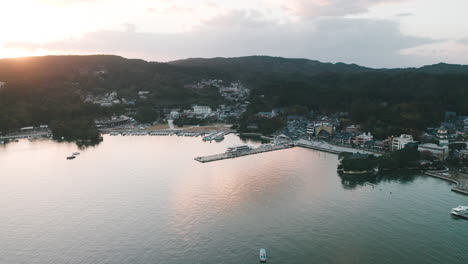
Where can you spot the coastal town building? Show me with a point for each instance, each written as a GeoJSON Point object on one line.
{"type": "Point", "coordinates": [400, 142]}
{"type": "Point", "coordinates": [201, 110]}
{"type": "Point", "coordinates": [363, 138]}
{"type": "Point", "coordinates": [464, 154]}
{"type": "Point", "coordinates": [310, 130]}
{"type": "Point", "coordinates": [443, 135]}
{"type": "Point", "coordinates": [440, 152]}
{"type": "Point", "coordinates": [352, 129]}
{"type": "Point", "coordinates": [324, 127]}
{"type": "Point", "coordinates": [265, 114]}
{"type": "Point", "coordinates": [2, 84]}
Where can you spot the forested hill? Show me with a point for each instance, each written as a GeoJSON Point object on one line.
{"type": "Point", "coordinates": [267, 64]}
{"type": "Point", "coordinates": [40, 90]}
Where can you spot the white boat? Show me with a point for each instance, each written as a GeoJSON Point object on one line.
{"type": "Point", "coordinates": [76, 153]}
{"type": "Point", "coordinates": [263, 256]}
{"type": "Point", "coordinates": [237, 148]}
{"type": "Point", "coordinates": [460, 210]}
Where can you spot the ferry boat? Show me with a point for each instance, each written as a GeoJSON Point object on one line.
{"type": "Point", "coordinates": [263, 256]}
{"type": "Point", "coordinates": [460, 211]}
{"type": "Point", "coordinates": [237, 148]}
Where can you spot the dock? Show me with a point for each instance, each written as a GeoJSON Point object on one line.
{"type": "Point", "coordinates": [460, 181]}
{"type": "Point", "coordinates": [440, 175]}
{"type": "Point", "coordinates": [232, 155]}
{"type": "Point", "coordinates": [462, 186]}
{"type": "Point", "coordinates": [302, 145]}
{"type": "Point", "coordinates": [330, 148]}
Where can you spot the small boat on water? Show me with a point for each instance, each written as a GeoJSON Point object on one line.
{"type": "Point", "coordinates": [263, 256]}
{"type": "Point", "coordinates": [70, 157]}
{"type": "Point", "coordinates": [76, 153]}
{"type": "Point", "coordinates": [238, 148]}
{"type": "Point", "coordinates": [460, 211]}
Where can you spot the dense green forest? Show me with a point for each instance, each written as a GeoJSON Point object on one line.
{"type": "Point", "coordinates": [50, 90]}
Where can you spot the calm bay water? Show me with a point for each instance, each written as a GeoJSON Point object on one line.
{"type": "Point", "coordinates": [145, 200]}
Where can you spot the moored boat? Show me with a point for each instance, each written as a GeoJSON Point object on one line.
{"type": "Point", "coordinates": [263, 256]}
{"type": "Point", "coordinates": [70, 157]}
{"type": "Point", "coordinates": [460, 211]}
{"type": "Point", "coordinates": [237, 148]}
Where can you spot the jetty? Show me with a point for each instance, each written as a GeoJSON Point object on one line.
{"type": "Point", "coordinates": [461, 181]}
{"type": "Point", "coordinates": [231, 155]}
{"type": "Point", "coordinates": [462, 186]}
{"type": "Point", "coordinates": [330, 148]}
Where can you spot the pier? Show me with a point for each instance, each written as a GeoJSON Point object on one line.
{"type": "Point", "coordinates": [460, 181]}
{"type": "Point", "coordinates": [462, 186]}
{"type": "Point", "coordinates": [330, 148]}
{"type": "Point", "coordinates": [232, 155]}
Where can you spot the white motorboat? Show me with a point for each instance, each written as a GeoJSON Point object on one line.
{"type": "Point", "coordinates": [263, 256]}
{"type": "Point", "coordinates": [460, 211]}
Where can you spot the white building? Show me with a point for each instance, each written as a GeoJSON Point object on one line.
{"type": "Point", "coordinates": [400, 142]}
{"type": "Point", "coordinates": [362, 139]}
{"type": "Point", "coordinates": [311, 130]}
{"type": "Point", "coordinates": [435, 150]}
{"type": "Point", "coordinates": [2, 84]}
{"type": "Point", "coordinates": [201, 110]}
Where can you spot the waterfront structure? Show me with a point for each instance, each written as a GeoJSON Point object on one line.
{"type": "Point", "coordinates": [363, 138]}
{"type": "Point", "coordinates": [27, 128]}
{"type": "Point", "coordinates": [400, 142]}
{"type": "Point", "coordinates": [201, 110]}
{"type": "Point", "coordinates": [2, 84]}
{"type": "Point", "coordinates": [114, 121]}
{"type": "Point", "coordinates": [438, 151]}
{"type": "Point", "coordinates": [324, 126]}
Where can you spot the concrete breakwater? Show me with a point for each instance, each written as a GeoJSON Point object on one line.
{"type": "Point", "coordinates": [231, 155]}
{"type": "Point", "coordinates": [462, 186]}
{"type": "Point", "coordinates": [461, 182]}
{"type": "Point", "coordinates": [330, 148]}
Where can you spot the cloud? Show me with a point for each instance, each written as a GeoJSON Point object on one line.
{"type": "Point", "coordinates": [318, 8]}
{"type": "Point", "coordinates": [404, 14]}
{"type": "Point", "coordinates": [449, 50]}
{"type": "Point", "coordinates": [463, 41]}
{"type": "Point", "coordinates": [369, 42]}
{"type": "Point", "coordinates": [68, 2]}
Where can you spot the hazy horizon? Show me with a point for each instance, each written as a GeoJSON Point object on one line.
{"type": "Point", "coordinates": [378, 34]}
{"type": "Point", "coordinates": [221, 57]}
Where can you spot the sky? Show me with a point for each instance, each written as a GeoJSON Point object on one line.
{"type": "Point", "coordinates": [374, 33]}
